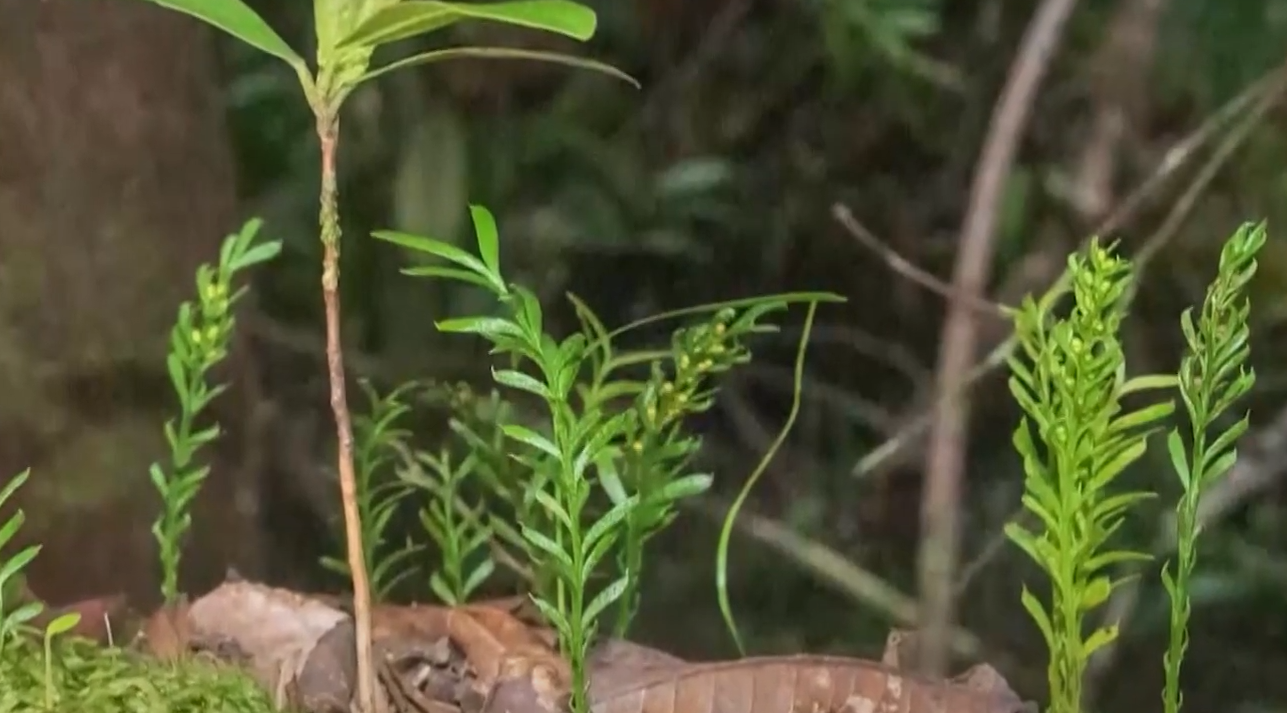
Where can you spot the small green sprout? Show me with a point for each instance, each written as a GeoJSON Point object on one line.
{"type": "Point", "coordinates": [198, 342]}
{"type": "Point", "coordinates": [1213, 375]}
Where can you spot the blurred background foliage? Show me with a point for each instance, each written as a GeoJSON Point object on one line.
{"type": "Point", "coordinates": [717, 181]}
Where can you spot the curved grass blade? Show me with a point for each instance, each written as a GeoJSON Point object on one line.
{"type": "Point", "coordinates": [726, 531]}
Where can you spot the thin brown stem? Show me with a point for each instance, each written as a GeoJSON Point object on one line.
{"type": "Point", "coordinates": [946, 451]}
{"type": "Point", "coordinates": [328, 130]}
{"type": "Point", "coordinates": [907, 268]}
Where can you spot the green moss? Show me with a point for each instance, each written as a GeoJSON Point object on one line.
{"type": "Point", "coordinates": [90, 679]}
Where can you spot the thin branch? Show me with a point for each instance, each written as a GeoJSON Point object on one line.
{"type": "Point", "coordinates": [1178, 156]}
{"type": "Point", "coordinates": [836, 571]}
{"type": "Point", "coordinates": [907, 268]}
{"type": "Point", "coordinates": [945, 462]}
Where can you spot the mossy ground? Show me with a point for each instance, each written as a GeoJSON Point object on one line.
{"type": "Point", "coordinates": [87, 678]}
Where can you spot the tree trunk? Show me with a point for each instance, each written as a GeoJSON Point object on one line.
{"type": "Point", "coordinates": [115, 183]}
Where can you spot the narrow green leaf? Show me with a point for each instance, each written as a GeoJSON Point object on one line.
{"type": "Point", "coordinates": [1116, 504]}
{"type": "Point", "coordinates": [440, 249]}
{"type": "Point", "coordinates": [23, 614]}
{"type": "Point", "coordinates": [1142, 417]}
{"type": "Point", "coordinates": [416, 17]}
{"type": "Point", "coordinates": [610, 594]}
{"type": "Point", "coordinates": [1101, 561]}
{"type": "Point", "coordinates": [685, 487]}
{"type": "Point", "coordinates": [1107, 471]}
{"type": "Point", "coordinates": [551, 614]}
{"type": "Point", "coordinates": [1095, 593]}
{"type": "Point", "coordinates": [1024, 540]}
{"type": "Point", "coordinates": [479, 575]}
{"type": "Point", "coordinates": [11, 527]}
{"type": "Point", "coordinates": [591, 324]}
{"type": "Point", "coordinates": [1048, 515]}
{"type": "Point", "coordinates": [595, 555]}
{"type": "Point", "coordinates": [1100, 638]}
{"type": "Point", "coordinates": [542, 542]}
{"type": "Point", "coordinates": [12, 486]}
{"type": "Point", "coordinates": [518, 380]}
{"type": "Point", "coordinates": [604, 525]}
{"type": "Point", "coordinates": [62, 624]}
{"type": "Point", "coordinates": [1225, 441]}
{"type": "Point", "coordinates": [1149, 382]}
{"type": "Point", "coordinates": [238, 20]}
{"type": "Point", "coordinates": [532, 438]}
{"type": "Point", "coordinates": [1039, 616]}
{"type": "Point", "coordinates": [18, 562]}
{"type": "Point", "coordinates": [488, 237]}
{"type": "Point", "coordinates": [1219, 466]}
{"type": "Point", "coordinates": [500, 53]}
{"type": "Point", "coordinates": [555, 508]}
{"type": "Point", "coordinates": [490, 327]}
{"type": "Point", "coordinates": [1179, 457]}
{"type": "Point", "coordinates": [442, 590]}
{"type": "Point", "coordinates": [450, 273]}
{"type": "Point", "coordinates": [610, 479]}
{"type": "Point", "coordinates": [262, 252]}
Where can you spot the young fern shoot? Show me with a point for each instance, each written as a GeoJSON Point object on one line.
{"type": "Point", "coordinates": [1069, 380]}
{"type": "Point", "coordinates": [1213, 375]}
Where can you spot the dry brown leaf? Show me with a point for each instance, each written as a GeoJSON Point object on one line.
{"type": "Point", "coordinates": [799, 684]}
{"type": "Point", "coordinates": [513, 669]}
{"type": "Point", "coordinates": [617, 662]}
{"type": "Point", "coordinates": [282, 636]}
{"type": "Point", "coordinates": [493, 640]}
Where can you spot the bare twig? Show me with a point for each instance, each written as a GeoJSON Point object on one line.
{"type": "Point", "coordinates": [848, 405]}
{"type": "Point", "coordinates": [907, 268]}
{"type": "Point", "coordinates": [1174, 159]}
{"type": "Point", "coordinates": [895, 356]}
{"type": "Point", "coordinates": [837, 572]}
{"type": "Point", "coordinates": [945, 461]}
{"type": "Point", "coordinates": [1233, 141]}
{"type": "Point", "coordinates": [1119, 76]}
